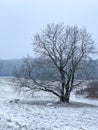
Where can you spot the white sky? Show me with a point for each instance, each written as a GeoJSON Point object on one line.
{"type": "Point", "coordinates": [21, 19]}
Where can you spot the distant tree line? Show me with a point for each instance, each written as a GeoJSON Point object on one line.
{"type": "Point", "coordinates": [9, 67]}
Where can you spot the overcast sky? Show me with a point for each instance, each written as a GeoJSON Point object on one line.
{"type": "Point", "coordinates": [21, 19]}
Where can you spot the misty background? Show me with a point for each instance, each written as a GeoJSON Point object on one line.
{"type": "Point", "coordinates": [21, 19]}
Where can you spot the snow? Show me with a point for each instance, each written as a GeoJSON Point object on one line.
{"type": "Point", "coordinates": [44, 112]}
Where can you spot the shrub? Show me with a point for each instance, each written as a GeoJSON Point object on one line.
{"type": "Point", "coordinates": [91, 90]}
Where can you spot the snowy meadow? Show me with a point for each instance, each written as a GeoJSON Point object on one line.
{"type": "Point", "coordinates": [42, 111]}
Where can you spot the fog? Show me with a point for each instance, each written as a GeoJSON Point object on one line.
{"type": "Point", "coordinates": [21, 19]}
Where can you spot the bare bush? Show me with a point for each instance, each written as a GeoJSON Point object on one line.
{"type": "Point", "coordinates": [91, 90]}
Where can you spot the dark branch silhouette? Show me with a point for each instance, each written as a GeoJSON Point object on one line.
{"type": "Point", "coordinates": [62, 49]}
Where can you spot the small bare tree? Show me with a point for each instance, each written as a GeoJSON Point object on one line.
{"type": "Point", "coordinates": [60, 49]}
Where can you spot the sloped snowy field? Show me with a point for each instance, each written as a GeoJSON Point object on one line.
{"type": "Point", "coordinates": [44, 112]}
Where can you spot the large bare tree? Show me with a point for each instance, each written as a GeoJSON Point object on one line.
{"type": "Point", "coordinates": [61, 49]}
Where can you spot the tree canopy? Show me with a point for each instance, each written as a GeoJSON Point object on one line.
{"type": "Point", "coordinates": [63, 49]}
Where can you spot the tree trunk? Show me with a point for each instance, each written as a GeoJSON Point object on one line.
{"type": "Point", "coordinates": [62, 98]}
{"type": "Point", "coordinates": [65, 98]}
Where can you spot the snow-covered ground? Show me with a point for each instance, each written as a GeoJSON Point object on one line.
{"type": "Point", "coordinates": [43, 112]}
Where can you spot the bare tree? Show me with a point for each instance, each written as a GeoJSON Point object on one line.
{"type": "Point", "coordinates": [63, 49]}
